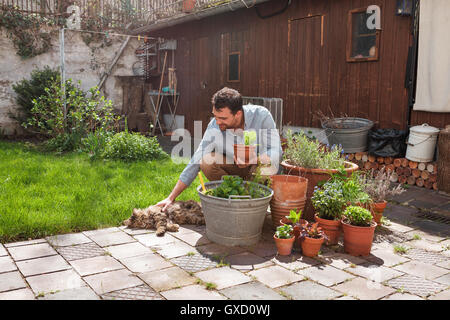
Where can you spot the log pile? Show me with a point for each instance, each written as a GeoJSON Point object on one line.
{"type": "Point", "coordinates": [421, 174]}
{"type": "Point", "coordinates": [444, 159]}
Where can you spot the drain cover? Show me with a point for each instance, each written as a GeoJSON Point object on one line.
{"type": "Point", "coordinates": [433, 216]}
{"type": "Point", "coordinates": [142, 292]}
{"type": "Point", "coordinates": [425, 256]}
{"type": "Point", "coordinates": [416, 285]}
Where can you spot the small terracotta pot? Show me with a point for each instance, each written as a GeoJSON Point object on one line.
{"type": "Point", "coordinates": [296, 228]}
{"type": "Point", "coordinates": [377, 211]}
{"type": "Point", "coordinates": [243, 153]}
{"type": "Point", "coordinates": [311, 246]}
{"type": "Point", "coordinates": [284, 246]}
{"type": "Point", "coordinates": [332, 229]}
{"type": "Point", "coordinates": [358, 240]}
{"type": "Point", "coordinates": [188, 5]}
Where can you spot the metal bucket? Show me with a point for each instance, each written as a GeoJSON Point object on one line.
{"type": "Point", "coordinates": [351, 133]}
{"type": "Point", "coordinates": [233, 222]}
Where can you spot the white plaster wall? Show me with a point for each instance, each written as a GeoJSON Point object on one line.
{"type": "Point", "coordinates": [82, 62]}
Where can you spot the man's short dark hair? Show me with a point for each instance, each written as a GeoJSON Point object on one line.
{"type": "Point", "coordinates": [227, 97]}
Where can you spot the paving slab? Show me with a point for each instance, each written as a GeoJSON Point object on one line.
{"type": "Point", "coordinates": [82, 251]}
{"type": "Point", "coordinates": [153, 241]}
{"type": "Point", "coordinates": [217, 250]}
{"type": "Point", "coordinates": [7, 264]}
{"type": "Point", "coordinates": [24, 243]}
{"type": "Point", "coordinates": [83, 293]}
{"type": "Point", "coordinates": [398, 227]}
{"type": "Point", "coordinates": [192, 238]}
{"type": "Point", "coordinates": [11, 281]}
{"type": "Point", "coordinates": [127, 250]}
{"type": "Point", "coordinates": [97, 232]}
{"type": "Point", "coordinates": [401, 214]}
{"type": "Point", "coordinates": [111, 238]}
{"type": "Point", "coordinates": [112, 281]}
{"type": "Point", "coordinates": [166, 279]}
{"type": "Point", "coordinates": [421, 269]}
{"type": "Point", "coordinates": [426, 256]}
{"type": "Point", "coordinates": [223, 277]}
{"type": "Point", "coordinates": [21, 294]}
{"type": "Point", "coordinates": [308, 290]}
{"type": "Point", "coordinates": [55, 281]}
{"type": "Point", "coordinates": [416, 285]}
{"type": "Point", "coordinates": [364, 289]}
{"type": "Point", "coordinates": [177, 249]}
{"type": "Point", "coordinates": [145, 263]}
{"type": "Point", "coordinates": [42, 265]}
{"type": "Point", "coordinates": [254, 290]}
{"type": "Point", "coordinates": [426, 245]}
{"type": "Point", "coordinates": [374, 272]}
{"type": "Point", "coordinates": [445, 279]}
{"type": "Point", "coordinates": [96, 265]}
{"type": "Point", "coordinates": [295, 261]}
{"type": "Point", "coordinates": [194, 263]}
{"type": "Point", "coordinates": [444, 295]}
{"type": "Point", "coordinates": [142, 292]}
{"type": "Point", "coordinates": [70, 239]}
{"type": "Point", "coordinates": [31, 251]}
{"type": "Point", "coordinates": [402, 296]}
{"type": "Point", "coordinates": [194, 292]}
{"type": "Point", "coordinates": [3, 251]}
{"type": "Point", "coordinates": [275, 276]}
{"type": "Point", "coordinates": [346, 297]}
{"type": "Point", "coordinates": [432, 227]}
{"type": "Point", "coordinates": [264, 248]}
{"type": "Point", "coordinates": [325, 275]}
{"type": "Point", "coordinates": [444, 264]}
{"type": "Point", "coordinates": [342, 260]}
{"type": "Point", "coordinates": [386, 257]}
{"type": "Point", "coordinates": [135, 231]}
{"type": "Point", "coordinates": [247, 261]}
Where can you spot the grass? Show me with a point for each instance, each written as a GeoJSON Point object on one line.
{"type": "Point", "coordinates": [44, 194]}
{"type": "Point", "coordinates": [400, 249]}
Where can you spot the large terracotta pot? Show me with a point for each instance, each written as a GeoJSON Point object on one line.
{"type": "Point", "coordinates": [311, 246]}
{"type": "Point", "coordinates": [243, 153]}
{"type": "Point", "coordinates": [377, 211]}
{"type": "Point", "coordinates": [284, 246]}
{"type": "Point", "coordinates": [278, 210]}
{"type": "Point", "coordinates": [314, 176]}
{"type": "Point", "coordinates": [358, 240]}
{"type": "Point", "coordinates": [332, 229]}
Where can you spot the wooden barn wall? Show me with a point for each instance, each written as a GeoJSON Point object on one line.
{"type": "Point", "coordinates": [299, 56]}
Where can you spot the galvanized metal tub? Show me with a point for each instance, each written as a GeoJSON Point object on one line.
{"type": "Point", "coordinates": [235, 221]}
{"type": "Point", "coordinates": [351, 133]}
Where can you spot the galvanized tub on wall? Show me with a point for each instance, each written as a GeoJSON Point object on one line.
{"type": "Point", "coordinates": [236, 221]}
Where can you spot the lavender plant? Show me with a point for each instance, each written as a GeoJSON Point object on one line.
{"type": "Point", "coordinates": [378, 186]}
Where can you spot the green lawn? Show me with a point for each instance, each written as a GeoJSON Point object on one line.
{"type": "Point", "coordinates": [44, 194]}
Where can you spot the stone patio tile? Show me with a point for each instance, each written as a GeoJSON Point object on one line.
{"type": "Point", "coordinates": [3, 251]}
{"type": "Point", "coordinates": [145, 263]}
{"type": "Point", "coordinates": [166, 279]}
{"type": "Point", "coordinates": [444, 264]}
{"type": "Point", "coordinates": [61, 280]}
{"type": "Point", "coordinates": [386, 257]}
{"type": "Point", "coordinates": [416, 285]}
{"type": "Point", "coordinates": [24, 243]}
{"type": "Point", "coordinates": [374, 272]}
{"type": "Point", "coordinates": [445, 279]}
{"type": "Point", "coordinates": [153, 241]}
{"type": "Point", "coordinates": [135, 231]}
{"type": "Point", "coordinates": [217, 250]}
{"type": "Point", "coordinates": [325, 275]}
{"type": "Point", "coordinates": [264, 248]}
{"type": "Point", "coordinates": [112, 281]}
{"type": "Point", "coordinates": [69, 239]}
{"type": "Point", "coordinates": [426, 245]}
{"type": "Point", "coordinates": [31, 251]}
{"type": "Point", "coordinates": [7, 264]}
{"type": "Point", "coordinates": [192, 292]}
{"type": "Point", "coordinates": [96, 265]}
{"type": "Point", "coordinates": [444, 295]}
{"type": "Point", "coordinates": [421, 269]}
{"type": "Point", "coordinates": [345, 298]}
{"type": "Point", "coordinates": [433, 228]}
{"type": "Point", "coordinates": [295, 261]}
{"type": "Point", "coordinates": [275, 276]}
{"type": "Point", "coordinates": [436, 199]}
{"type": "Point", "coordinates": [246, 261]}
{"type": "Point", "coordinates": [412, 193]}
{"type": "Point", "coordinates": [81, 251]}
{"type": "Point", "coordinates": [342, 260]}
{"type": "Point", "coordinates": [398, 227]}
{"type": "Point", "coordinates": [21, 294]}
{"type": "Point", "coordinates": [400, 214]}
{"type": "Point", "coordinates": [308, 290]}
{"type": "Point", "coordinates": [254, 290]}
{"type": "Point", "coordinates": [402, 296]}
{"type": "Point", "coordinates": [192, 238]}
{"type": "Point", "coordinates": [194, 263]}
{"type": "Point", "coordinates": [11, 281]}
{"type": "Point", "coordinates": [195, 228]}
{"type": "Point", "coordinates": [176, 249]}
{"type": "Point", "coordinates": [127, 250]}
{"type": "Point", "coordinates": [111, 238]}
{"type": "Point", "coordinates": [42, 265]}
{"type": "Point", "coordinates": [223, 277]}
{"type": "Point", "coordinates": [364, 289]}
{"type": "Point", "coordinates": [100, 231]}
{"type": "Point", "coordinates": [142, 292]}
{"type": "Point", "coordinates": [425, 235]}
{"type": "Point", "coordinates": [83, 293]}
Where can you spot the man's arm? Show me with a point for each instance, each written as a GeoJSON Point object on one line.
{"type": "Point", "coordinates": [176, 191]}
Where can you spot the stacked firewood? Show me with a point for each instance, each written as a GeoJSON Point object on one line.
{"type": "Point", "coordinates": [421, 174]}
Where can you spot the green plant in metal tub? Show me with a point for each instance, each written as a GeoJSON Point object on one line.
{"type": "Point", "coordinates": [234, 210]}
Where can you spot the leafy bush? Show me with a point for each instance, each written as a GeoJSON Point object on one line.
{"type": "Point", "coordinates": [328, 200]}
{"type": "Point", "coordinates": [353, 187]}
{"type": "Point", "coordinates": [284, 232]}
{"type": "Point", "coordinates": [236, 186]}
{"type": "Point", "coordinates": [95, 143]}
{"type": "Point", "coordinates": [309, 153]}
{"type": "Point", "coordinates": [133, 146]}
{"type": "Point", "coordinates": [378, 186]}
{"type": "Point", "coordinates": [358, 216]}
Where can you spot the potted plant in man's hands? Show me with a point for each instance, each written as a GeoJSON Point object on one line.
{"type": "Point", "coordinates": [312, 238]}
{"type": "Point", "coordinates": [246, 153]}
{"type": "Point", "coordinates": [284, 239]}
{"type": "Point", "coordinates": [359, 228]}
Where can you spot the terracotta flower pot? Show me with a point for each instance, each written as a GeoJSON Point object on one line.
{"type": "Point", "coordinates": [245, 153]}
{"type": "Point", "coordinates": [332, 229]}
{"type": "Point", "coordinates": [314, 176]}
{"type": "Point", "coordinates": [288, 187]}
{"type": "Point", "coordinates": [278, 210]}
{"type": "Point", "coordinates": [188, 5]}
{"type": "Point", "coordinates": [284, 246]}
{"type": "Point", "coordinates": [311, 246]}
{"type": "Point", "coordinates": [296, 228]}
{"type": "Point", "coordinates": [358, 240]}
{"type": "Point", "coordinates": [377, 211]}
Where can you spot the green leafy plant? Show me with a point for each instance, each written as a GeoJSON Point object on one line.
{"type": "Point", "coordinates": [312, 230]}
{"type": "Point", "coordinates": [294, 217]}
{"type": "Point", "coordinates": [358, 216]}
{"type": "Point", "coordinates": [284, 232]}
{"type": "Point", "coordinates": [328, 200]}
{"type": "Point", "coordinates": [249, 137]}
{"type": "Point", "coordinates": [236, 186]}
{"type": "Point", "coordinates": [353, 187]}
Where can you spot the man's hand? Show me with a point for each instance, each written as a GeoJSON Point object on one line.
{"type": "Point", "coordinates": [253, 159]}
{"type": "Point", "coordinates": [164, 204]}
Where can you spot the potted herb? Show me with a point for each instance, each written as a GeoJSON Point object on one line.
{"type": "Point", "coordinates": [284, 239]}
{"type": "Point", "coordinates": [309, 158]}
{"type": "Point", "coordinates": [378, 187]}
{"type": "Point", "coordinates": [246, 153]}
{"type": "Point", "coordinates": [358, 228]}
{"type": "Point", "coordinates": [294, 219]}
{"type": "Point", "coordinates": [312, 238]}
